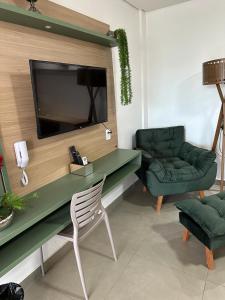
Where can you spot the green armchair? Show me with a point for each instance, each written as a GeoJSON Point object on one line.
{"type": "Point", "coordinates": [172, 166]}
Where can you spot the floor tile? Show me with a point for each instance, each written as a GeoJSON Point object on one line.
{"type": "Point", "coordinates": [174, 253]}
{"type": "Point", "coordinates": [214, 292]}
{"type": "Point", "coordinates": [149, 280]}
{"type": "Point", "coordinates": [153, 261]}
{"type": "Point", "coordinates": [217, 275]}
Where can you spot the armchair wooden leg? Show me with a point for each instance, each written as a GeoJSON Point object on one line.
{"type": "Point", "coordinates": [201, 194]}
{"type": "Point", "coordinates": [144, 189]}
{"type": "Point", "coordinates": [186, 235]}
{"type": "Point", "coordinates": [209, 258]}
{"type": "Point", "coordinates": [159, 204]}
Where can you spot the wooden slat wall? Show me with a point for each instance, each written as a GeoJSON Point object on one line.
{"type": "Point", "coordinates": [49, 158]}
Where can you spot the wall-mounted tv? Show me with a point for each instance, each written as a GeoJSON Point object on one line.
{"type": "Point", "coordinates": [67, 97]}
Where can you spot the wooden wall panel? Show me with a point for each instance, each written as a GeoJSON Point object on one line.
{"type": "Point", "coordinates": [49, 158]}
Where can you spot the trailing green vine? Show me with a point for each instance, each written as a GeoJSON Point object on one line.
{"type": "Point", "coordinates": [125, 84]}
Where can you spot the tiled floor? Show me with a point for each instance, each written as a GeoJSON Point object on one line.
{"type": "Point", "coordinates": [153, 262]}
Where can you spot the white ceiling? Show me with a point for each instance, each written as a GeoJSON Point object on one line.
{"type": "Point", "coordinates": [149, 5]}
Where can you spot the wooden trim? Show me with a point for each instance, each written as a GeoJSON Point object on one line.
{"type": "Point", "coordinates": [221, 121]}
{"type": "Point", "coordinates": [209, 258]}
{"type": "Point", "coordinates": [186, 235]}
{"type": "Point", "coordinates": [223, 148]}
{"type": "Point", "coordinates": [159, 204]}
{"type": "Point", "coordinates": [218, 128]}
{"type": "Point", "coordinates": [201, 194]}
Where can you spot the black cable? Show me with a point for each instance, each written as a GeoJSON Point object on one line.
{"type": "Point", "coordinates": [106, 127]}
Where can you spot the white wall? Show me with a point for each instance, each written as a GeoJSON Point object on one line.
{"type": "Point", "coordinates": [117, 13]}
{"type": "Point", "coordinates": [180, 38]}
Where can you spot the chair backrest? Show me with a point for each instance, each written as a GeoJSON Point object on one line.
{"type": "Point", "coordinates": [86, 208]}
{"type": "Point", "coordinates": [160, 142]}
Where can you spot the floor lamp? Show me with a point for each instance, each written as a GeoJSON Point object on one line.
{"type": "Point", "coordinates": [214, 73]}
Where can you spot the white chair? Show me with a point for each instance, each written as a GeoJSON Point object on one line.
{"type": "Point", "coordinates": [86, 212]}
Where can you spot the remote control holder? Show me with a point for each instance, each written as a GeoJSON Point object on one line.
{"type": "Point", "coordinates": [81, 170]}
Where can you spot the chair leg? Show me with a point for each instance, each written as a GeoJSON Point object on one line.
{"type": "Point", "coordinates": [106, 219]}
{"type": "Point", "coordinates": [186, 235]}
{"type": "Point", "coordinates": [144, 189]}
{"type": "Point", "coordinates": [80, 270]}
{"type": "Point", "coordinates": [159, 203]}
{"type": "Point", "coordinates": [209, 258]}
{"type": "Point", "coordinates": [201, 194]}
{"type": "Point", "coordinates": [42, 262]}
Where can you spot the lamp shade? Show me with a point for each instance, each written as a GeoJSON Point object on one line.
{"type": "Point", "coordinates": [214, 71]}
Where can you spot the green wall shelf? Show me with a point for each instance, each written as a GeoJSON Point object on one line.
{"type": "Point", "coordinates": [49, 214]}
{"type": "Point", "coordinates": [14, 14]}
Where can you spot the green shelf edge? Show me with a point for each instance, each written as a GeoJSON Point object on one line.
{"type": "Point", "coordinates": [31, 239]}
{"type": "Point", "coordinates": [56, 194]}
{"type": "Point", "coordinates": [113, 180]}
{"type": "Point", "coordinates": [16, 15]}
{"type": "Point", "coordinates": [12, 253]}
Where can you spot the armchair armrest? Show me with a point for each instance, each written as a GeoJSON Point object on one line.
{"type": "Point", "coordinates": [145, 155]}
{"type": "Point", "coordinates": [200, 158]}
{"type": "Point", "coordinates": [157, 167]}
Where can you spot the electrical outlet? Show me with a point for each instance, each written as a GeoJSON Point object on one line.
{"type": "Point", "coordinates": [108, 134]}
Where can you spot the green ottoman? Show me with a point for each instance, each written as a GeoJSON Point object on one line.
{"type": "Point", "coordinates": [205, 219]}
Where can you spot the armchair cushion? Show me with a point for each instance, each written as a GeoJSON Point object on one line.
{"type": "Point", "coordinates": [192, 163]}
{"type": "Point", "coordinates": [201, 159]}
{"type": "Point", "coordinates": [208, 213]}
{"type": "Point", "coordinates": [173, 169]}
{"type": "Point", "coordinates": [161, 142]}
{"type": "Point", "coordinates": [172, 166]}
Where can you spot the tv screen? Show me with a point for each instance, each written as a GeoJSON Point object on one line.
{"type": "Point", "coordinates": [67, 97]}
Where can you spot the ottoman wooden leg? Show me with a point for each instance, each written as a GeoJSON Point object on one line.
{"type": "Point", "coordinates": [201, 194]}
{"type": "Point", "coordinates": [144, 189]}
{"type": "Point", "coordinates": [159, 204]}
{"type": "Point", "coordinates": [186, 235]}
{"type": "Point", "coordinates": [209, 258]}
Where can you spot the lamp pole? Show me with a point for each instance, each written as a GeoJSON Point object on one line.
{"type": "Point", "coordinates": [214, 73]}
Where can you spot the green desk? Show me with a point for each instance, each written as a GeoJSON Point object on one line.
{"type": "Point", "coordinates": [49, 214]}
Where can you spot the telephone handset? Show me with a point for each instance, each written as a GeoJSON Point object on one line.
{"type": "Point", "coordinates": [77, 159]}
{"type": "Point", "coordinates": [22, 159]}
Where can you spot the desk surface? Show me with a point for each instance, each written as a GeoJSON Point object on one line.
{"type": "Point", "coordinates": [56, 194]}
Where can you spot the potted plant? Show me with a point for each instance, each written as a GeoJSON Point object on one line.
{"type": "Point", "coordinates": [125, 82]}
{"type": "Point", "coordinates": [9, 204]}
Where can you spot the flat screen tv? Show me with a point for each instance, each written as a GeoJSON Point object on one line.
{"type": "Point", "coordinates": [67, 97]}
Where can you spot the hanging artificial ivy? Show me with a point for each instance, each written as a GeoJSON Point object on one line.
{"type": "Point", "coordinates": [126, 90]}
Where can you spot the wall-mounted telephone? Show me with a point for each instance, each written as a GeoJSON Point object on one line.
{"type": "Point", "coordinates": [22, 159]}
